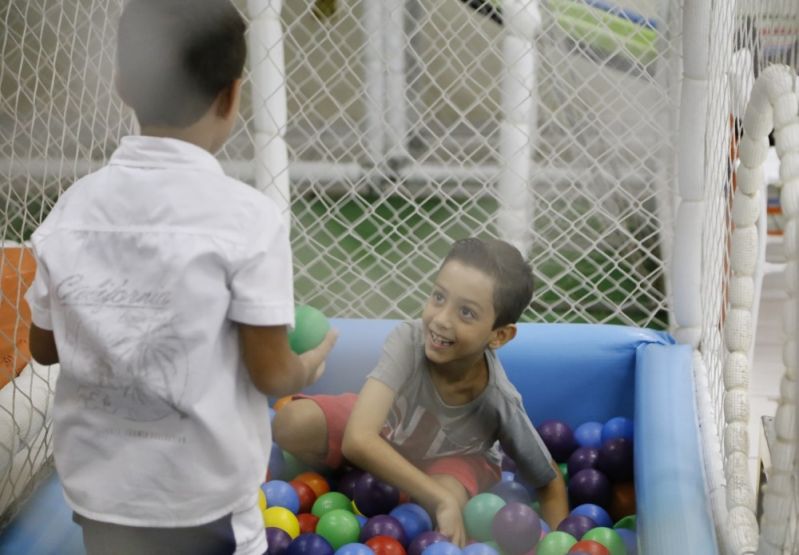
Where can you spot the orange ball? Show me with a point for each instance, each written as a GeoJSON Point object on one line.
{"type": "Point", "coordinates": [589, 546]}
{"type": "Point", "coordinates": [280, 403]}
{"type": "Point", "coordinates": [622, 500]}
{"type": "Point", "coordinates": [307, 522]}
{"type": "Point", "coordinates": [385, 545]}
{"type": "Point", "coordinates": [315, 480]}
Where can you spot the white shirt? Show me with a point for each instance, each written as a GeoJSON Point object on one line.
{"type": "Point", "coordinates": [144, 267]}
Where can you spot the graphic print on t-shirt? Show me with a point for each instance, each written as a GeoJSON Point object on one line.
{"type": "Point", "coordinates": [125, 352]}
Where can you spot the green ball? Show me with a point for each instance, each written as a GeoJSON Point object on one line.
{"type": "Point", "coordinates": [478, 515]}
{"type": "Point", "coordinates": [628, 522]}
{"type": "Point", "coordinates": [555, 543]}
{"type": "Point", "coordinates": [564, 470]}
{"type": "Point", "coordinates": [607, 537]}
{"type": "Point", "coordinates": [339, 527]}
{"type": "Point", "coordinates": [292, 466]}
{"type": "Point", "coordinates": [330, 501]}
{"type": "Point", "coordinates": [310, 328]}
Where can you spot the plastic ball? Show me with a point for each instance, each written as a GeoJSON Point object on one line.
{"type": "Point", "coordinates": [338, 527]}
{"type": "Point", "coordinates": [576, 525]}
{"type": "Point", "coordinates": [618, 427]}
{"type": "Point", "coordinates": [280, 517]}
{"type": "Point", "coordinates": [594, 512]}
{"type": "Point", "coordinates": [582, 458]}
{"type": "Point", "coordinates": [331, 501]}
{"type": "Point", "coordinates": [622, 501]}
{"type": "Point", "coordinates": [383, 545]}
{"type": "Point", "coordinates": [507, 476]}
{"type": "Point", "coordinates": [355, 549]}
{"type": "Point", "coordinates": [277, 461]}
{"type": "Point", "coordinates": [305, 495]}
{"type": "Point", "coordinates": [425, 539]}
{"type": "Point", "coordinates": [615, 459]}
{"type": "Point", "coordinates": [589, 434]}
{"type": "Point", "coordinates": [373, 496]}
{"type": "Point", "coordinates": [413, 519]}
{"type": "Point", "coordinates": [261, 499]}
{"type": "Point", "coordinates": [383, 525]}
{"type": "Point", "coordinates": [479, 513]}
{"type": "Point", "coordinates": [511, 491]}
{"type": "Point", "coordinates": [630, 539]}
{"type": "Point", "coordinates": [628, 522]}
{"type": "Point", "coordinates": [589, 486]}
{"type": "Point", "coordinates": [555, 543]}
{"type": "Point", "coordinates": [281, 494]}
{"type": "Point", "coordinates": [589, 547]}
{"type": "Point", "coordinates": [316, 482]}
{"type": "Point", "coordinates": [346, 482]}
{"type": "Point", "coordinates": [442, 548]}
{"type": "Point", "coordinates": [292, 467]}
{"type": "Point", "coordinates": [516, 528]}
{"type": "Point", "coordinates": [608, 537]}
{"type": "Point", "coordinates": [564, 471]}
{"type": "Point", "coordinates": [479, 549]}
{"type": "Point", "coordinates": [310, 544]}
{"type": "Point", "coordinates": [310, 328]}
{"type": "Point", "coordinates": [278, 541]}
{"type": "Point", "coordinates": [559, 439]}
{"type": "Point", "coordinates": [307, 522]}
{"type": "Point", "coordinates": [282, 402]}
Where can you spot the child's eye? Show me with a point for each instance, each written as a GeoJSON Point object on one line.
{"type": "Point", "coordinates": [437, 296]}
{"type": "Point", "coordinates": [468, 313]}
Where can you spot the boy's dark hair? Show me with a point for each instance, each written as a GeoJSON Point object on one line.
{"type": "Point", "coordinates": [513, 278]}
{"type": "Point", "coordinates": [175, 56]}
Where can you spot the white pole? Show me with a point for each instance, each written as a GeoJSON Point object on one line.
{"type": "Point", "coordinates": [394, 55]}
{"type": "Point", "coordinates": [268, 78]}
{"type": "Point", "coordinates": [374, 78]}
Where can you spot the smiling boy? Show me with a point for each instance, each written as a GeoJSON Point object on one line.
{"type": "Point", "coordinates": [434, 411]}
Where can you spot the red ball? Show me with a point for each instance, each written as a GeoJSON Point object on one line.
{"type": "Point", "coordinates": [622, 501]}
{"type": "Point", "coordinates": [306, 495]}
{"type": "Point", "coordinates": [590, 547]}
{"type": "Point", "coordinates": [384, 545]}
{"type": "Point", "coordinates": [307, 522]}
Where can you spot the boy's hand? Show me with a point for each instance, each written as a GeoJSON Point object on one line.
{"type": "Point", "coordinates": [314, 359]}
{"type": "Point", "coordinates": [449, 521]}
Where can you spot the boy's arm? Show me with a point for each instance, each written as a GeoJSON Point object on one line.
{"type": "Point", "coordinates": [274, 368]}
{"type": "Point", "coordinates": [42, 345]}
{"type": "Point", "coordinates": [554, 500]}
{"type": "Point", "coordinates": [364, 446]}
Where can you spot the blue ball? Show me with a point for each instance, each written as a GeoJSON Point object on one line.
{"type": "Point", "coordinates": [277, 462]}
{"type": "Point", "coordinates": [511, 491]}
{"type": "Point", "coordinates": [413, 518]}
{"type": "Point", "coordinates": [355, 549]}
{"type": "Point", "coordinates": [617, 427]}
{"type": "Point", "coordinates": [595, 513]}
{"type": "Point", "coordinates": [310, 544]}
{"type": "Point", "coordinates": [281, 494]}
{"type": "Point", "coordinates": [508, 476]}
{"type": "Point", "coordinates": [361, 520]}
{"type": "Point", "coordinates": [442, 548]}
{"type": "Point", "coordinates": [630, 540]}
{"type": "Point", "coordinates": [479, 549]}
{"type": "Point", "coordinates": [589, 434]}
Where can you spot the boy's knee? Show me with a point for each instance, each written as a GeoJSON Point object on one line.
{"type": "Point", "coordinates": [297, 423]}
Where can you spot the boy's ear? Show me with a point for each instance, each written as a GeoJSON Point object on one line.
{"type": "Point", "coordinates": [228, 99]}
{"type": "Point", "coordinates": [502, 335]}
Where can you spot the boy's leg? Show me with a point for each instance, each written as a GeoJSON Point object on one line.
{"type": "Point", "coordinates": [312, 428]}
{"type": "Point", "coordinates": [463, 476]}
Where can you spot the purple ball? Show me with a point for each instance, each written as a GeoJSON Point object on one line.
{"type": "Point", "coordinates": [559, 439]}
{"type": "Point", "coordinates": [383, 525]}
{"type": "Point", "coordinates": [310, 544]}
{"type": "Point", "coordinates": [582, 458]}
{"type": "Point", "coordinates": [576, 525]}
{"type": "Point", "coordinates": [278, 541]}
{"type": "Point", "coordinates": [374, 497]}
{"type": "Point", "coordinates": [589, 434]}
{"type": "Point", "coordinates": [511, 491]}
{"type": "Point", "coordinates": [589, 486]}
{"type": "Point", "coordinates": [516, 528]}
{"type": "Point", "coordinates": [346, 482]}
{"type": "Point", "coordinates": [615, 459]}
{"type": "Point", "coordinates": [424, 540]}
{"type": "Point", "coordinates": [413, 518]}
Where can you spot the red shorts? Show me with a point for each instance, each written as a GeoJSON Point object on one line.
{"type": "Point", "coordinates": [475, 472]}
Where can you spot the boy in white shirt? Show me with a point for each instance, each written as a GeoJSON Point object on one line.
{"type": "Point", "coordinates": [164, 289]}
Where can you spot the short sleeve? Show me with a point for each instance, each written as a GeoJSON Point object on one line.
{"type": "Point", "coordinates": [38, 295]}
{"type": "Point", "coordinates": [262, 292]}
{"type": "Point", "coordinates": [398, 358]}
{"type": "Point", "coordinates": [521, 442]}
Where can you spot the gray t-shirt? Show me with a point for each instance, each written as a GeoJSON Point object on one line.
{"type": "Point", "coordinates": [421, 426]}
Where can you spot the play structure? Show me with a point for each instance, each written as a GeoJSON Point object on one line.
{"type": "Point", "coordinates": [617, 144]}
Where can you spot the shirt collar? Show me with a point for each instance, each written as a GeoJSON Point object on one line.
{"type": "Point", "coordinates": [161, 152]}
